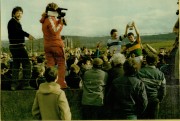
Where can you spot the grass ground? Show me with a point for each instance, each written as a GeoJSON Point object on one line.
{"type": "Point", "coordinates": [161, 44]}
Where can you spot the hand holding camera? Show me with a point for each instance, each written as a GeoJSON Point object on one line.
{"type": "Point", "coordinates": [44, 14]}
{"type": "Point", "coordinates": [57, 12]}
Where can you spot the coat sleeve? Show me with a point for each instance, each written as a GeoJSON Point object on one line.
{"type": "Point", "coordinates": [162, 90]}
{"type": "Point", "coordinates": [63, 104]}
{"type": "Point", "coordinates": [35, 109]}
{"type": "Point", "coordinates": [141, 98]}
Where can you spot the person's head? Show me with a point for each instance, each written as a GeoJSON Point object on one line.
{"type": "Point", "coordinates": [87, 60]}
{"type": "Point", "coordinates": [130, 67]}
{"type": "Point", "coordinates": [152, 59]}
{"type": "Point", "coordinates": [97, 63]}
{"type": "Point", "coordinates": [38, 70]}
{"type": "Point", "coordinates": [75, 68]}
{"type": "Point", "coordinates": [117, 59]}
{"type": "Point", "coordinates": [17, 13]}
{"type": "Point", "coordinates": [130, 36]}
{"type": "Point", "coordinates": [51, 7]}
{"type": "Point", "coordinates": [162, 51]}
{"type": "Point", "coordinates": [40, 59]}
{"type": "Point", "coordinates": [104, 58]}
{"type": "Point", "coordinates": [114, 33]}
{"type": "Point", "coordinates": [51, 74]}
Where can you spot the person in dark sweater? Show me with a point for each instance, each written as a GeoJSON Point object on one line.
{"type": "Point", "coordinates": [17, 48]}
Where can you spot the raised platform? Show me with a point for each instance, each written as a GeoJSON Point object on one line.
{"type": "Point", "coordinates": [16, 105]}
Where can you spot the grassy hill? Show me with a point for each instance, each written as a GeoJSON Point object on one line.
{"type": "Point", "coordinates": [156, 41]}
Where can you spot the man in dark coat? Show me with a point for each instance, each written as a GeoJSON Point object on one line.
{"type": "Point", "coordinates": [155, 84]}
{"type": "Point", "coordinates": [126, 98]}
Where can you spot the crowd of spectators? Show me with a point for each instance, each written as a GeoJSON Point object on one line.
{"type": "Point", "coordinates": [123, 82]}
{"type": "Point", "coordinates": [79, 61]}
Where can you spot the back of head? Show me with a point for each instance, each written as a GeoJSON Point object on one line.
{"type": "Point", "coordinates": [152, 59]}
{"type": "Point", "coordinates": [51, 74]}
{"type": "Point", "coordinates": [130, 67]}
{"type": "Point", "coordinates": [17, 8]}
{"type": "Point", "coordinates": [40, 59]}
{"type": "Point", "coordinates": [75, 68]}
{"type": "Point", "coordinates": [97, 63]}
{"type": "Point", "coordinates": [118, 59]}
{"type": "Point", "coordinates": [51, 7]}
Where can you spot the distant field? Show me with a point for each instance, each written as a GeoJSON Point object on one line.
{"type": "Point", "coordinates": [161, 44]}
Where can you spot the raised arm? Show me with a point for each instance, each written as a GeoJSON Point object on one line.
{"type": "Point", "coordinates": [137, 33]}
{"type": "Point", "coordinates": [126, 30]}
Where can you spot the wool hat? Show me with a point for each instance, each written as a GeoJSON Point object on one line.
{"type": "Point", "coordinates": [97, 61]}
{"type": "Point", "coordinates": [75, 68]}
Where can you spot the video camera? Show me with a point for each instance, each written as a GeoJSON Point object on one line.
{"type": "Point", "coordinates": [60, 13]}
{"type": "Point", "coordinates": [57, 13]}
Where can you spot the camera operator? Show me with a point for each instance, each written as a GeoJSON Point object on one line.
{"type": "Point", "coordinates": [52, 25]}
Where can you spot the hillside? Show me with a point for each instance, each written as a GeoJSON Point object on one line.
{"type": "Point", "coordinates": [90, 42]}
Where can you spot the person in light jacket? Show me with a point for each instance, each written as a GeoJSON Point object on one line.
{"type": "Point", "coordinates": [50, 102]}
{"type": "Point", "coordinates": [94, 83]}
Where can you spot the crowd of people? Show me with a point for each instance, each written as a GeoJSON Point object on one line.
{"type": "Point", "coordinates": [127, 80]}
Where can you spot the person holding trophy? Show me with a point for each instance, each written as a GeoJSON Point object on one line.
{"type": "Point", "coordinates": [134, 48]}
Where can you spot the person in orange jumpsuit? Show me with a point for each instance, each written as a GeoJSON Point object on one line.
{"type": "Point", "coordinates": [53, 44]}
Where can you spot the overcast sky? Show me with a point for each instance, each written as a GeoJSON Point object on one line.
{"type": "Point", "coordinates": [96, 17]}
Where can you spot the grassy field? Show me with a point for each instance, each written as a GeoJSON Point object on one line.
{"type": "Point", "coordinates": [161, 44]}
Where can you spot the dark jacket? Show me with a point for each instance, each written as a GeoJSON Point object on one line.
{"type": "Point", "coordinates": [15, 32]}
{"type": "Point", "coordinates": [73, 80]}
{"type": "Point", "coordinates": [127, 96]}
{"type": "Point", "coordinates": [154, 81]}
{"type": "Point", "coordinates": [114, 72]}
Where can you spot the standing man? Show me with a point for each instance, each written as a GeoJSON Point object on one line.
{"type": "Point", "coordinates": [17, 48]}
{"type": "Point", "coordinates": [94, 82]}
{"type": "Point", "coordinates": [155, 84]}
{"type": "Point", "coordinates": [53, 44]}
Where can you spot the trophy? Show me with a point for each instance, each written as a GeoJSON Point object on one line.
{"type": "Point", "coordinates": [130, 25]}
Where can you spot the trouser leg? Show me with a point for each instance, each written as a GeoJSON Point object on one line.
{"type": "Point", "coordinates": [55, 56]}
{"type": "Point", "coordinates": [20, 56]}
{"type": "Point", "coordinates": [15, 67]}
{"type": "Point", "coordinates": [26, 69]}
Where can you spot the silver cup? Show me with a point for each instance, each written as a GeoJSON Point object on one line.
{"type": "Point", "coordinates": [130, 25]}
